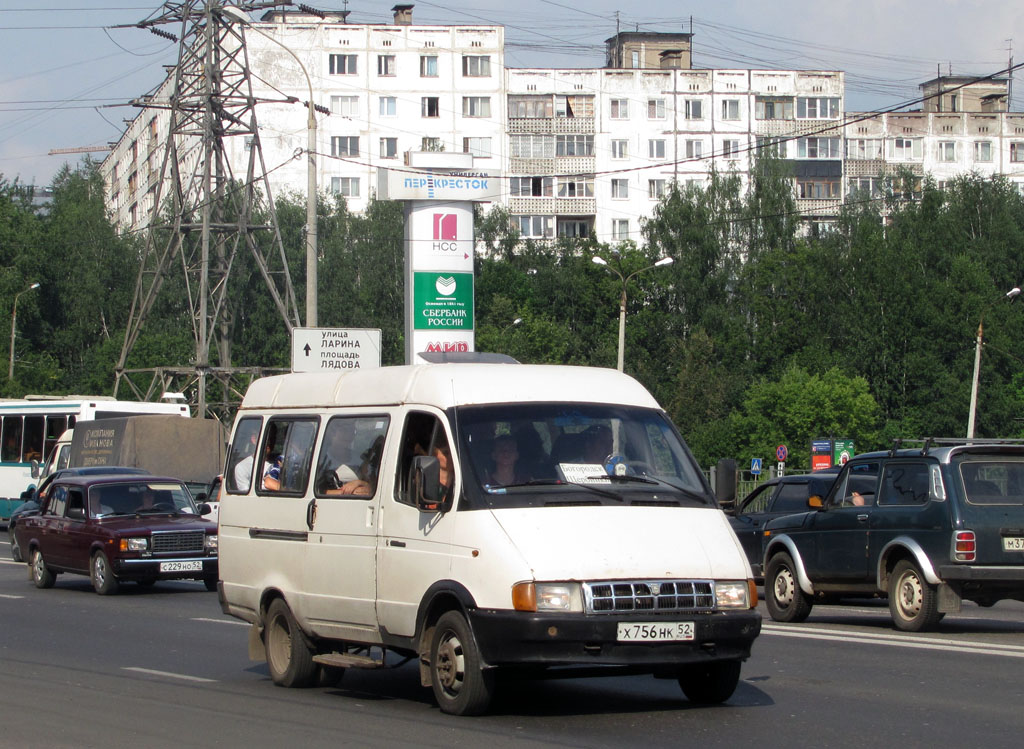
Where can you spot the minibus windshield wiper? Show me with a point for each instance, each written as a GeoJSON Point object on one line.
{"type": "Point", "coordinates": [661, 482]}
{"type": "Point", "coordinates": [558, 482]}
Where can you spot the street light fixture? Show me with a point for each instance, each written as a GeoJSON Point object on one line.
{"type": "Point", "coordinates": [14, 316]}
{"type": "Point", "coordinates": [239, 15]}
{"type": "Point", "coordinates": [1011, 295]}
{"type": "Point", "coordinates": [622, 300]}
{"type": "Point", "coordinates": [512, 324]}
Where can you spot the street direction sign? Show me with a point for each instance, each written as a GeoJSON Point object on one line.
{"type": "Point", "coordinates": [335, 349]}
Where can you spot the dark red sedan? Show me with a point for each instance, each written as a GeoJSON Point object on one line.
{"type": "Point", "coordinates": [117, 528]}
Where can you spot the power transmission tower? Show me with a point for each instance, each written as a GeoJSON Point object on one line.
{"type": "Point", "coordinates": [202, 214]}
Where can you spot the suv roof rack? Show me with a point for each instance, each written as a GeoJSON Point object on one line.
{"type": "Point", "coordinates": [928, 442]}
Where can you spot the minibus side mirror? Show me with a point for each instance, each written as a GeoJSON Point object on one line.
{"type": "Point", "coordinates": [425, 483]}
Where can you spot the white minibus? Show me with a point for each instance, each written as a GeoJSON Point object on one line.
{"type": "Point", "coordinates": [479, 518]}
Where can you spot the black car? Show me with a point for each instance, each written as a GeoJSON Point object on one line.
{"type": "Point", "coordinates": [927, 527]}
{"type": "Point", "coordinates": [774, 498]}
{"type": "Point", "coordinates": [33, 497]}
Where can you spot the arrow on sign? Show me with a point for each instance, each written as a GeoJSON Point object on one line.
{"type": "Point", "coordinates": [307, 349]}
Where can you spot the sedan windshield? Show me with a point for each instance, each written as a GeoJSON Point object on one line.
{"type": "Point", "coordinates": [548, 454]}
{"type": "Point", "coordinates": [140, 498]}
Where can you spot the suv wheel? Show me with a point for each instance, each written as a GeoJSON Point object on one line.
{"type": "Point", "coordinates": [782, 594]}
{"type": "Point", "coordinates": [913, 602]}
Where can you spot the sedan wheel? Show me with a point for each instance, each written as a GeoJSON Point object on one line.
{"type": "Point", "coordinates": [41, 574]}
{"type": "Point", "coordinates": [103, 580]}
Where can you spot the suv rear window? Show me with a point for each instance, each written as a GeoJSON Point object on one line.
{"type": "Point", "coordinates": [993, 482]}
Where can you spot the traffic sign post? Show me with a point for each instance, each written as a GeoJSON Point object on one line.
{"type": "Point", "coordinates": [335, 349]}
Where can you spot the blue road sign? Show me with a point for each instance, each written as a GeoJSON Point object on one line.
{"type": "Point", "coordinates": [755, 466]}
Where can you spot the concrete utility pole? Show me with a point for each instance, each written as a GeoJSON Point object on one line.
{"type": "Point", "coordinates": [202, 213]}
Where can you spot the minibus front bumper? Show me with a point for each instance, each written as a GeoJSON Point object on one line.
{"type": "Point", "coordinates": [557, 639]}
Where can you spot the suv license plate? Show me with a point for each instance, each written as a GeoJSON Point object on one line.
{"type": "Point", "coordinates": [1013, 543]}
{"type": "Point", "coordinates": [181, 566]}
{"type": "Point", "coordinates": [655, 631]}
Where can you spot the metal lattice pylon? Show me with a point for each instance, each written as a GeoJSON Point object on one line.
{"type": "Point", "coordinates": [202, 215]}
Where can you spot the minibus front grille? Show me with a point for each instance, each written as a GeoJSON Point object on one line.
{"type": "Point", "coordinates": [178, 541]}
{"type": "Point", "coordinates": [653, 596]}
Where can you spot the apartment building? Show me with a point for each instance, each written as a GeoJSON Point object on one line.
{"type": "Point", "coordinates": [584, 152]}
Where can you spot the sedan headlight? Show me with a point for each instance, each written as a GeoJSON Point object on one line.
{"type": "Point", "coordinates": [211, 542]}
{"type": "Point", "coordinates": [733, 594]}
{"type": "Point", "coordinates": [135, 544]}
{"type": "Point", "coordinates": [566, 597]}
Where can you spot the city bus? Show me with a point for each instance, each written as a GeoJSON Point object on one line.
{"type": "Point", "coordinates": [31, 426]}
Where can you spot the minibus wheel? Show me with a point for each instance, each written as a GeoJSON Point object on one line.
{"type": "Point", "coordinates": [288, 657]}
{"type": "Point", "coordinates": [461, 686]}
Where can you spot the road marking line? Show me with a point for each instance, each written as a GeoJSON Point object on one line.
{"type": "Point", "coordinates": [4, 595]}
{"type": "Point", "coordinates": [221, 621]}
{"type": "Point", "coordinates": [952, 646]}
{"type": "Point", "coordinates": [11, 561]}
{"type": "Point", "coordinates": [168, 674]}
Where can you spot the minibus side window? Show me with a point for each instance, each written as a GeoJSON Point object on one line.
{"type": "Point", "coordinates": [238, 475]}
{"type": "Point", "coordinates": [350, 455]}
{"type": "Point", "coordinates": [287, 455]}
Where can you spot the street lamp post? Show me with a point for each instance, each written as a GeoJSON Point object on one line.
{"type": "Point", "coordinates": [622, 300]}
{"type": "Point", "coordinates": [14, 316]}
{"type": "Point", "coordinates": [1011, 295]}
{"type": "Point", "coordinates": [311, 223]}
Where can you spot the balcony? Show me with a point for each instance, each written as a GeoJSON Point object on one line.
{"type": "Point", "coordinates": [558, 125]}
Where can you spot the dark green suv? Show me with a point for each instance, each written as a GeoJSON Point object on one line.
{"type": "Point", "coordinates": [928, 527]}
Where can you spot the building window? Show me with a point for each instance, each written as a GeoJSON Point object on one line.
{"type": "Point", "coordinates": [536, 227]}
{"type": "Point", "coordinates": [905, 149]}
{"type": "Point", "coordinates": [983, 150]}
{"type": "Point", "coordinates": [694, 109]}
{"type": "Point", "coordinates": [947, 150]}
{"type": "Point", "coordinates": [529, 106]}
{"type": "Point", "coordinates": [634, 58]}
{"type": "Point", "coordinates": [1017, 152]}
{"type": "Point", "coordinates": [865, 187]}
{"type": "Point", "coordinates": [655, 189]}
{"type": "Point", "coordinates": [620, 229]}
{"type": "Point", "coordinates": [479, 147]}
{"type": "Point", "coordinates": [476, 106]}
{"type": "Point", "coordinates": [428, 66]}
{"type": "Point", "coordinates": [531, 187]}
{"type": "Point", "coordinates": [655, 109]}
{"type": "Point", "coordinates": [476, 66]}
{"type": "Point", "coordinates": [431, 144]}
{"type": "Point", "coordinates": [576, 187]}
{"type": "Point", "coordinates": [620, 149]}
{"type": "Point", "coordinates": [730, 109]}
{"type": "Point", "coordinates": [343, 64]}
{"type": "Point", "coordinates": [694, 149]}
{"type": "Point", "coordinates": [345, 145]}
{"type": "Point", "coordinates": [534, 146]}
{"type": "Point", "coordinates": [620, 109]}
{"type": "Point", "coordinates": [730, 149]}
{"type": "Point", "coordinates": [389, 148]}
{"type": "Point", "coordinates": [574, 227]}
{"type": "Point", "coordinates": [574, 145]}
{"type": "Point", "coordinates": [771, 146]}
{"type": "Point", "coordinates": [817, 108]}
{"type": "Point", "coordinates": [347, 186]}
{"type": "Point", "coordinates": [620, 189]}
{"type": "Point", "coordinates": [818, 148]}
{"type": "Point", "coordinates": [430, 106]}
{"type": "Point", "coordinates": [656, 149]}
{"type": "Point", "coordinates": [766, 108]}
{"type": "Point", "coordinates": [863, 148]}
{"type": "Point", "coordinates": [386, 65]}
{"type": "Point", "coordinates": [574, 106]}
{"type": "Point", "coordinates": [818, 189]}
{"type": "Point", "coordinates": [388, 106]}
{"type": "Point", "coordinates": [346, 106]}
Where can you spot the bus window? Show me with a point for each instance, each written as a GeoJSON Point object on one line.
{"type": "Point", "coordinates": [55, 426]}
{"type": "Point", "coordinates": [33, 444]}
{"type": "Point", "coordinates": [10, 452]}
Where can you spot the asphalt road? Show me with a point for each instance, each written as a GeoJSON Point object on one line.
{"type": "Point", "coordinates": [163, 667]}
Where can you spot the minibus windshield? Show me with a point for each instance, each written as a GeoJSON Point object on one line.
{"type": "Point", "coordinates": [558, 454]}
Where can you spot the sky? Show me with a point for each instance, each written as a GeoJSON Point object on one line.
{"type": "Point", "coordinates": [68, 73]}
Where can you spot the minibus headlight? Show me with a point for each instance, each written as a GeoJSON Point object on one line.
{"type": "Point", "coordinates": [565, 597]}
{"type": "Point", "coordinates": [211, 542]}
{"type": "Point", "coordinates": [732, 595]}
{"type": "Point", "coordinates": [134, 544]}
